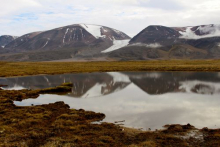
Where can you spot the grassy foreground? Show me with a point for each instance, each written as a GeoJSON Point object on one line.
{"type": "Point", "coordinates": [56, 125]}
{"type": "Point", "coordinates": [34, 68]}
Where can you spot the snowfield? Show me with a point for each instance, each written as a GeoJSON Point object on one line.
{"type": "Point", "coordinates": [95, 30]}
{"type": "Point", "coordinates": [117, 44]}
{"type": "Point", "coordinates": [210, 31]}
{"type": "Point", "coordinates": [151, 45]}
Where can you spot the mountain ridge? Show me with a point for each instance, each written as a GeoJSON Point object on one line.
{"type": "Point", "coordinates": [97, 42]}
{"type": "Point", "coordinates": [66, 36]}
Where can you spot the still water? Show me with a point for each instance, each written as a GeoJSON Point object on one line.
{"type": "Point", "coordinates": [140, 99]}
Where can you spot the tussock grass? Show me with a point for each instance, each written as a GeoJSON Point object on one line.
{"type": "Point", "coordinates": [8, 69]}
{"type": "Point", "coordinates": [53, 125]}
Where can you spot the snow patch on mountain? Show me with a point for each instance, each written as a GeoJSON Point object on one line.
{"type": "Point", "coordinates": [104, 29]}
{"type": "Point", "coordinates": [95, 30]}
{"type": "Point", "coordinates": [65, 35]}
{"type": "Point", "coordinates": [45, 44]}
{"type": "Point", "coordinates": [152, 45]}
{"type": "Point", "coordinates": [15, 37]}
{"type": "Point", "coordinates": [208, 31]}
{"type": "Point", "coordinates": [219, 44]}
{"type": "Point", "coordinates": [117, 44]}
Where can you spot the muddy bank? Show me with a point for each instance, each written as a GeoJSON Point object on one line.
{"type": "Point", "coordinates": [58, 125]}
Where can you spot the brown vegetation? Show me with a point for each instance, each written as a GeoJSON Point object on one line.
{"type": "Point", "coordinates": [8, 69]}
{"type": "Point", "coordinates": [56, 125]}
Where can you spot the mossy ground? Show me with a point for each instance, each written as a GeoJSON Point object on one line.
{"type": "Point", "coordinates": [8, 69]}
{"type": "Point", "coordinates": [56, 125]}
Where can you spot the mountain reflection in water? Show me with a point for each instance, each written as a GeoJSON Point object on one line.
{"type": "Point", "coordinates": [142, 99]}
{"type": "Point", "coordinates": [98, 84]}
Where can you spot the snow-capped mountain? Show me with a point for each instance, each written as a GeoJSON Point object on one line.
{"type": "Point", "coordinates": [154, 42]}
{"type": "Point", "coordinates": [95, 42]}
{"type": "Point", "coordinates": [165, 36]}
{"type": "Point", "coordinates": [5, 39]}
{"type": "Point", "coordinates": [95, 38]}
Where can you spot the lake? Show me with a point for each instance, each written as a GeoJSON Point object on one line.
{"type": "Point", "coordinates": [139, 99]}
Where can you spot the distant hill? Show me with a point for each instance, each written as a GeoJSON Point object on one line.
{"type": "Point", "coordinates": [6, 39]}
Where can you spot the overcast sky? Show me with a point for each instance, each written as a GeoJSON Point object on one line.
{"type": "Point", "coordinates": [18, 17]}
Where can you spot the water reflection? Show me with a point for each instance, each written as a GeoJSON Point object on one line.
{"type": "Point", "coordinates": [84, 85]}
{"type": "Point", "coordinates": [143, 100]}
{"type": "Point", "coordinates": [99, 84]}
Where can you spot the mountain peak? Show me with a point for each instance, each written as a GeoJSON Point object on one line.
{"type": "Point", "coordinates": [154, 33]}
{"type": "Point", "coordinates": [6, 39]}
{"type": "Point", "coordinates": [81, 39]}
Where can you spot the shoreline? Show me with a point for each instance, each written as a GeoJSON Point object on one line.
{"type": "Point", "coordinates": [57, 124]}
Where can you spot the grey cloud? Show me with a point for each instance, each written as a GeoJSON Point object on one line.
{"type": "Point", "coordinates": [129, 16]}
{"type": "Point", "coordinates": [162, 4]}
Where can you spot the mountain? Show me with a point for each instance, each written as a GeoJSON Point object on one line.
{"type": "Point", "coordinates": [161, 42]}
{"type": "Point", "coordinates": [68, 36]}
{"type": "Point", "coordinates": [6, 39]}
{"type": "Point", "coordinates": [95, 42]}
{"type": "Point", "coordinates": [156, 37]}
{"type": "Point", "coordinates": [73, 41]}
